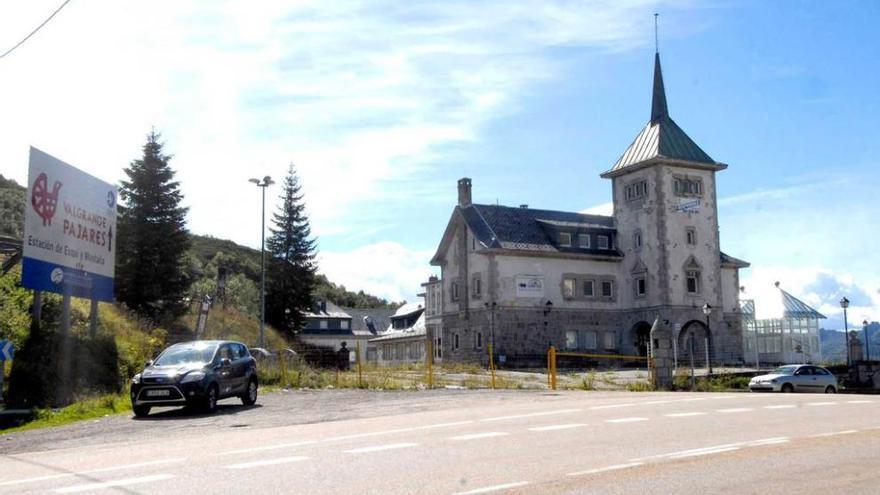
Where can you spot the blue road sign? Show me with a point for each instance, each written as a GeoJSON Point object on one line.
{"type": "Point", "coordinates": [7, 350]}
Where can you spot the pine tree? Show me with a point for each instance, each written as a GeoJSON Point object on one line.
{"type": "Point", "coordinates": [291, 268]}
{"type": "Point", "coordinates": [153, 240]}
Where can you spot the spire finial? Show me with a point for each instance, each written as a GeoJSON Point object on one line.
{"type": "Point", "coordinates": [656, 37]}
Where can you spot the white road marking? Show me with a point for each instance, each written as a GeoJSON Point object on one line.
{"type": "Point", "coordinates": [689, 451]}
{"type": "Point", "coordinates": [557, 427]}
{"type": "Point", "coordinates": [781, 406]}
{"type": "Point", "coordinates": [859, 401]}
{"type": "Point", "coordinates": [614, 406]}
{"type": "Point", "coordinates": [684, 415]}
{"type": "Point", "coordinates": [821, 403]}
{"type": "Point", "coordinates": [476, 436]}
{"type": "Point", "coordinates": [494, 488]}
{"type": "Point", "coordinates": [626, 420]}
{"type": "Point", "coordinates": [267, 462]}
{"type": "Point", "coordinates": [398, 430]}
{"type": "Point", "coordinates": [735, 410]}
{"type": "Point", "coordinates": [379, 448]}
{"type": "Point", "coordinates": [834, 433]}
{"type": "Point", "coordinates": [533, 415]}
{"type": "Point", "coordinates": [267, 447]}
{"type": "Point", "coordinates": [768, 441]}
{"type": "Point", "coordinates": [92, 471]}
{"type": "Point", "coordinates": [111, 484]}
{"type": "Point", "coordinates": [607, 468]}
{"type": "Point", "coordinates": [703, 452]}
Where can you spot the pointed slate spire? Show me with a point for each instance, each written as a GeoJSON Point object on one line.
{"type": "Point", "coordinates": [658, 103]}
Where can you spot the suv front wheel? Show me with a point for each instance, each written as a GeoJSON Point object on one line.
{"type": "Point", "coordinates": [210, 401]}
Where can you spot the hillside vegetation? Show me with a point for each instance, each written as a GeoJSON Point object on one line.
{"type": "Point", "coordinates": [12, 203]}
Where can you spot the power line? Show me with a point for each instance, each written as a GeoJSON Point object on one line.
{"type": "Point", "coordinates": [7, 52]}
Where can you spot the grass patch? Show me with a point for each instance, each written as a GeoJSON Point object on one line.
{"type": "Point", "coordinates": [91, 408]}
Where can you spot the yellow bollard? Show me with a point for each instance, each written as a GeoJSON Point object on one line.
{"type": "Point", "coordinates": [429, 357]}
{"type": "Point", "coordinates": [492, 365]}
{"type": "Point", "coordinates": [360, 372]}
{"type": "Point", "coordinates": [549, 370]}
{"type": "Point", "coordinates": [553, 368]}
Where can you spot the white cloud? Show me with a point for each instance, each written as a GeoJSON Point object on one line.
{"type": "Point", "coordinates": [819, 287]}
{"type": "Point", "coordinates": [606, 209]}
{"type": "Point", "coordinates": [385, 269]}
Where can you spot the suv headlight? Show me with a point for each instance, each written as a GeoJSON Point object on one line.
{"type": "Point", "coordinates": [195, 376]}
{"type": "Point", "coordinates": [136, 379]}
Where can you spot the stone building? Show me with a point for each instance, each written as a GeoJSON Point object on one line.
{"type": "Point", "coordinates": [527, 278]}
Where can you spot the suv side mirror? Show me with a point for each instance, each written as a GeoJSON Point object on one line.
{"type": "Point", "coordinates": [225, 363]}
{"type": "Point", "coordinates": [149, 363]}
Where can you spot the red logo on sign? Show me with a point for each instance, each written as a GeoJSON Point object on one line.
{"type": "Point", "coordinates": [43, 201]}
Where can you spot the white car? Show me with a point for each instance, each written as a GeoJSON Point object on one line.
{"type": "Point", "coordinates": [796, 378]}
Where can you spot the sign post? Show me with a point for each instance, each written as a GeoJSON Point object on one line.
{"type": "Point", "coordinates": [69, 244]}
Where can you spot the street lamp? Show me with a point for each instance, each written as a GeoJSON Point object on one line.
{"type": "Point", "coordinates": [266, 182]}
{"type": "Point", "coordinates": [867, 343]}
{"type": "Point", "coordinates": [707, 310]}
{"type": "Point", "coordinates": [844, 303]}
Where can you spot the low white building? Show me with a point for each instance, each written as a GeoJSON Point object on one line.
{"type": "Point", "coordinates": [779, 328]}
{"type": "Point", "coordinates": [404, 340]}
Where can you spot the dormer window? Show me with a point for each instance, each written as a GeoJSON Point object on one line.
{"type": "Point", "coordinates": [603, 241]}
{"type": "Point", "coordinates": [584, 241]}
{"type": "Point", "coordinates": [565, 239]}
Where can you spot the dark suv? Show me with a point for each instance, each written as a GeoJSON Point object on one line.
{"type": "Point", "coordinates": [196, 374]}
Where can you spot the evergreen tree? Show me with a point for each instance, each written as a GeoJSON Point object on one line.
{"type": "Point", "coordinates": [152, 239]}
{"type": "Point", "coordinates": [291, 266]}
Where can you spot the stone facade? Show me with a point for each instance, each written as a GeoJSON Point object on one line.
{"type": "Point", "coordinates": [529, 279]}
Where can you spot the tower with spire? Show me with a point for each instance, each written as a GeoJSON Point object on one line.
{"type": "Point", "coordinates": [666, 215]}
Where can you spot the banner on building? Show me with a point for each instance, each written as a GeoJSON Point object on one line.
{"type": "Point", "coordinates": [529, 286]}
{"type": "Point", "coordinates": [69, 230]}
{"type": "Point", "coordinates": [688, 205]}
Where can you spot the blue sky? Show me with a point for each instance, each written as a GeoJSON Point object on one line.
{"type": "Point", "coordinates": [384, 105]}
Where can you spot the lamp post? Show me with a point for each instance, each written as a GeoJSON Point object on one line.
{"type": "Point", "coordinates": [547, 307]}
{"type": "Point", "coordinates": [844, 303]}
{"type": "Point", "coordinates": [491, 307]}
{"type": "Point", "coordinates": [867, 343]}
{"type": "Point", "coordinates": [707, 310]}
{"type": "Point", "coordinates": [266, 182]}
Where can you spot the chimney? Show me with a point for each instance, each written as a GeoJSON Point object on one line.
{"type": "Point", "coordinates": [464, 191]}
{"type": "Point", "coordinates": [524, 206]}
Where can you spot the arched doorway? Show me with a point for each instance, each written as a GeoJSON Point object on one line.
{"type": "Point", "coordinates": [693, 341]}
{"type": "Point", "coordinates": [641, 337]}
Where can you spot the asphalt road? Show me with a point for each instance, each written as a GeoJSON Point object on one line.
{"type": "Point", "coordinates": [462, 442]}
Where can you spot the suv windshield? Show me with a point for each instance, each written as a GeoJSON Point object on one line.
{"type": "Point", "coordinates": [186, 354]}
{"type": "Point", "coordinates": [784, 370]}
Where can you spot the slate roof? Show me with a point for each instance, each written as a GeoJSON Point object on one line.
{"type": "Point", "coordinates": [331, 311]}
{"type": "Point", "coordinates": [418, 330]}
{"type": "Point", "coordinates": [529, 229]}
{"type": "Point", "coordinates": [792, 307]}
{"type": "Point", "coordinates": [661, 137]}
{"type": "Point", "coordinates": [727, 259]}
{"type": "Point", "coordinates": [381, 318]}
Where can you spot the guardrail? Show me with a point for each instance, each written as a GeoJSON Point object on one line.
{"type": "Point", "coordinates": [553, 357]}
